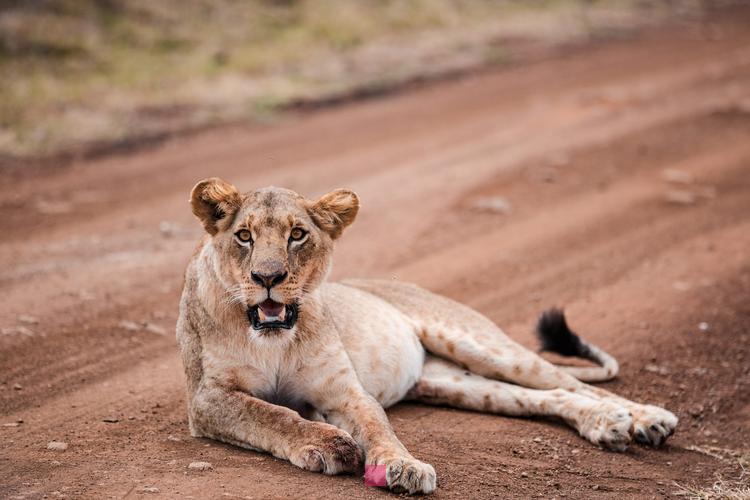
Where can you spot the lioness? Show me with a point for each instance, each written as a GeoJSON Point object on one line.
{"type": "Point", "coordinates": [281, 361]}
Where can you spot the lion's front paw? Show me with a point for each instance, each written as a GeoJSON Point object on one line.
{"type": "Point", "coordinates": [332, 452]}
{"type": "Point", "coordinates": [652, 425]}
{"type": "Point", "coordinates": [410, 475]}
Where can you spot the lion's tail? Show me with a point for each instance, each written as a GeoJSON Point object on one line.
{"type": "Point", "coordinates": [555, 336]}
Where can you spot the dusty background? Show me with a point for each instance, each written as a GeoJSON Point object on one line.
{"type": "Point", "coordinates": [612, 178]}
{"type": "Point", "coordinates": [87, 77]}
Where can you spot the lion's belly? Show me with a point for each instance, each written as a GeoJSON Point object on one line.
{"type": "Point", "coordinates": [380, 340]}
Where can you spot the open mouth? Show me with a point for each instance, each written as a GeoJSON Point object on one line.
{"type": "Point", "coordinates": [270, 314]}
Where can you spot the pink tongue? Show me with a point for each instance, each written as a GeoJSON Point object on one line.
{"type": "Point", "coordinates": [271, 307]}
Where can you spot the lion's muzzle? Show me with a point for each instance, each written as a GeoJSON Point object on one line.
{"type": "Point", "coordinates": [270, 314]}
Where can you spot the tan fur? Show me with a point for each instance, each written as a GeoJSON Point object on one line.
{"type": "Point", "coordinates": [315, 394]}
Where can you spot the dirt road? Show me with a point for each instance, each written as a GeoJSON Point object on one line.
{"type": "Point", "coordinates": [612, 179]}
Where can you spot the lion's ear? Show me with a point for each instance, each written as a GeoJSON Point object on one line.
{"type": "Point", "coordinates": [214, 201]}
{"type": "Point", "coordinates": [334, 211]}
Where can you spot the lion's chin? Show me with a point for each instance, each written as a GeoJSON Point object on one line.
{"type": "Point", "coordinates": [272, 315]}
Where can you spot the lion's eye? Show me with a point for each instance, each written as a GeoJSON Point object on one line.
{"type": "Point", "coordinates": [244, 236]}
{"type": "Point", "coordinates": [297, 234]}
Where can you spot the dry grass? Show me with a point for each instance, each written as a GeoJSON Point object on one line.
{"type": "Point", "coordinates": [80, 72]}
{"type": "Point", "coordinates": [728, 489]}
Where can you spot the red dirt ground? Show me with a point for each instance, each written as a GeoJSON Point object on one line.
{"type": "Point", "coordinates": [583, 146]}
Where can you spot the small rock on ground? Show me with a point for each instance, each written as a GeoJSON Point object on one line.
{"type": "Point", "coordinates": [129, 325]}
{"type": "Point", "coordinates": [676, 176]}
{"type": "Point", "coordinates": [154, 328]}
{"type": "Point", "coordinates": [493, 204]}
{"type": "Point", "coordinates": [57, 446]}
{"type": "Point", "coordinates": [200, 466]}
{"type": "Point", "coordinates": [17, 330]}
{"type": "Point", "coordinates": [680, 197]}
{"type": "Point", "coordinates": [652, 368]}
{"type": "Point", "coordinates": [31, 320]}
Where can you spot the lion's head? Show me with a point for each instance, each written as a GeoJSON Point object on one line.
{"type": "Point", "coordinates": [272, 246]}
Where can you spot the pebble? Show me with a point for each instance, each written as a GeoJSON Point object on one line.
{"type": "Point", "coordinates": [680, 197]}
{"type": "Point", "coordinates": [149, 489]}
{"type": "Point", "coordinates": [173, 438]}
{"type": "Point", "coordinates": [31, 320]}
{"type": "Point", "coordinates": [57, 446]}
{"type": "Point", "coordinates": [154, 328]}
{"type": "Point", "coordinates": [17, 387]}
{"type": "Point", "coordinates": [200, 466]}
{"type": "Point", "coordinates": [676, 176]}
{"type": "Point", "coordinates": [661, 370]}
{"type": "Point", "coordinates": [524, 474]}
{"type": "Point", "coordinates": [696, 411]}
{"type": "Point", "coordinates": [17, 330]}
{"type": "Point", "coordinates": [493, 204]}
{"type": "Point", "coordinates": [129, 325]}
{"type": "Point", "coordinates": [703, 326]}
{"type": "Point", "coordinates": [46, 207]}
{"type": "Point", "coordinates": [132, 326]}
{"type": "Point", "coordinates": [111, 420]}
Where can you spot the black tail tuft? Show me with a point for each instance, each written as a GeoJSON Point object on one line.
{"type": "Point", "coordinates": [556, 336]}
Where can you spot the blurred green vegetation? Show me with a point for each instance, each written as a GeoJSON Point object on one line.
{"type": "Point", "coordinates": [75, 71]}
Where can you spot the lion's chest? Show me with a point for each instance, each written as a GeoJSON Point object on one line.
{"type": "Point", "coordinates": [265, 374]}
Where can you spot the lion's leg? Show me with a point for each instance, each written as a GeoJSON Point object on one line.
{"type": "Point", "coordinates": [331, 385]}
{"type": "Point", "coordinates": [602, 422]}
{"type": "Point", "coordinates": [485, 350]}
{"type": "Point", "coordinates": [232, 416]}
{"type": "Point", "coordinates": [469, 339]}
{"type": "Point", "coordinates": [488, 352]}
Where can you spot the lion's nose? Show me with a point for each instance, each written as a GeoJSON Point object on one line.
{"type": "Point", "coordinates": [269, 280]}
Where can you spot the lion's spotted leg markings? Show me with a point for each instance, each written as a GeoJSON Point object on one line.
{"type": "Point", "coordinates": [603, 423]}
{"type": "Point", "coordinates": [488, 353]}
